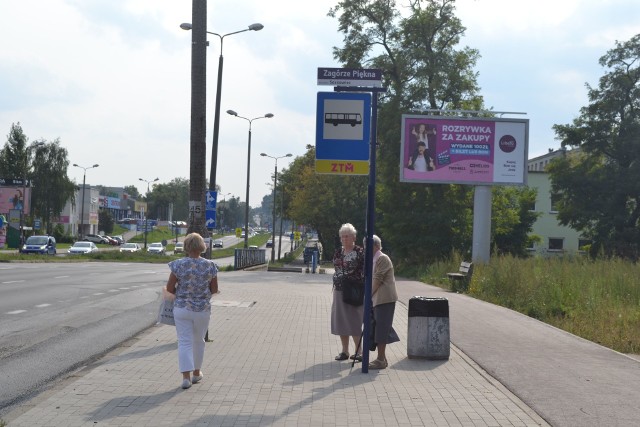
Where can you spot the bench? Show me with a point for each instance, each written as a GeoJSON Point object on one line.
{"type": "Point", "coordinates": [460, 280]}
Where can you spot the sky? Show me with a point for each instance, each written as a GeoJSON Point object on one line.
{"type": "Point", "coordinates": [111, 78]}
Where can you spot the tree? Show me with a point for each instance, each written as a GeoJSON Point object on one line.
{"type": "Point", "coordinates": [598, 185]}
{"type": "Point", "coordinates": [132, 191]}
{"type": "Point", "coordinates": [15, 157]}
{"type": "Point", "coordinates": [52, 188]}
{"type": "Point", "coordinates": [512, 219]}
{"type": "Point", "coordinates": [105, 221]}
{"type": "Point", "coordinates": [174, 193]}
{"type": "Point", "coordinates": [323, 202]}
{"type": "Point", "coordinates": [421, 68]}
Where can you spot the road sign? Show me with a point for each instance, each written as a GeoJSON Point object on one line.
{"type": "Point", "coordinates": [210, 200]}
{"type": "Point", "coordinates": [350, 77]}
{"type": "Point", "coordinates": [210, 220]}
{"type": "Point", "coordinates": [343, 126]}
{"type": "Point", "coordinates": [238, 232]}
{"type": "Point", "coordinates": [36, 224]}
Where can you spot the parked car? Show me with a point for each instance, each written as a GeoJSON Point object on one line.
{"type": "Point", "coordinates": [156, 248]}
{"type": "Point", "coordinates": [130, 247]}
{"type": "Point", "coordinates": [110, 240]}
{"type": "Point", "coordinates": [39, 245]}
{"type": "Point", "coordinates": [269, 243]}
{"type": "Point", "coordinates": [179, 248]}
{"type": "Point", "coordinates": [120, 239]}
{"type": "Point", "coordinates": [218, 243]}
{"type": "Point", "coordinates": [95, 238]}
{"type": "Point", "coordinates": [83, 248]}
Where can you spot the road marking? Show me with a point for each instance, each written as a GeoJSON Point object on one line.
{"type": "Point", "coordinates": [61, 277]}
{"type": "Point", "coordinates": [42, 305]}
{"type": "Point", "coordinates": [99, 293]}
{"type": "Point", "coordinates": [124, 289]}
{"type": "Point", "coordinates": [113, 290]}
{"type": "Point", "coordinates": [16, 312]}
{"type": "Point", "coordinates": [13, 281]}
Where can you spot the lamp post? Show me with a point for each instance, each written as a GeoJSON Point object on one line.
{"type": "Point", "coordinates": [246, 208]}
{"type": "Point", "coordinates": [273, 222]}
{"type": "Point", "coordinates": [146, 214]}
{"type": "Point", "coordinates": [224, 206]}
{"type": "Point", "coordinates": [216, 117]}
{"type": "Point", "coordinates": [84, 180]}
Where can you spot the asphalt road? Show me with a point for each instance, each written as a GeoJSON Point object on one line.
{"type": "Point", "coordinates": [58, 317]}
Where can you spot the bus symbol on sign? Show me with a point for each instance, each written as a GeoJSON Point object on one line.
{"type": "Point", "coordinates": [343, 119]}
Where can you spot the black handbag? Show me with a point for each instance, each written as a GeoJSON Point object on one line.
{"type": "Point", "coordinates": [352, 291]}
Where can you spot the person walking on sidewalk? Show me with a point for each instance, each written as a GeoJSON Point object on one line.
{"type": "Point", "coordinates": [346, 320]}
{"type": "Point", "coordinates": [384, 296]}
{"type": "Point", "coordinates": [193, 280]}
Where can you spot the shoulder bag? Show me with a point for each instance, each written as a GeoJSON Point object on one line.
{"type": "Point", "coordinates": [352, 291]}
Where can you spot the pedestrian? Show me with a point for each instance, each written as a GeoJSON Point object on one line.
{"type": "Point", "coordinates": [346, 319]}
{"type": "Point", "coordinates": [384, 296]}
{"type": "Point", "coordinates": [193, 280]}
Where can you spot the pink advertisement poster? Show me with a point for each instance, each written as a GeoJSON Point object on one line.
{"type": "Point", "coordinates": [438, 149]}
{"type": "Point", "coordinates": [14, 198]}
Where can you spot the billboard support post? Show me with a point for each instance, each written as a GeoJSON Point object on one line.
{"type": "Point", "coordinates": [481, 246]}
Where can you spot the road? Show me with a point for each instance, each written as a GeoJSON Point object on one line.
{"type": "Point", "coordinates": [57, 317]}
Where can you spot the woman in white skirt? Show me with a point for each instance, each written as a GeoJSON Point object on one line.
{"type": "Point", "coordinates": [346, 320]}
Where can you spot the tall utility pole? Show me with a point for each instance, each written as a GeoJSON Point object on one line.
{"type": "Point", "coordinates": [197, 170]}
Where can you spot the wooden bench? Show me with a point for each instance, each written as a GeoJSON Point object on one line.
{"type": "Point", "coordinates": [460, 280]}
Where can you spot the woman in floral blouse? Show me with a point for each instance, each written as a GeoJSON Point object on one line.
{"type": "Point", "coordinates": [193, 280]}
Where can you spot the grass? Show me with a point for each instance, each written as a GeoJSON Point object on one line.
{"type": "Point", "coordinates": [598, 300]}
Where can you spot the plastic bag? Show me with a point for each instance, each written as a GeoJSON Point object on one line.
{"type": "Point", "coordinates": [165, 312]}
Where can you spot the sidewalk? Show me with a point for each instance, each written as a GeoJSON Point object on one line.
{"type": "Point", "coordinates": [271, 364]}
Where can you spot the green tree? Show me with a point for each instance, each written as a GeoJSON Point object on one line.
{"type": "Point", "coordinates": [512, 219]}
{"type": "Point", "coordinates": [422, 69]}
{"type": "Point", "coordinates": [175, 193]}
{"type": "Point", "coordinates": [132, 191]}
{"type": "Point", "coordinates": [323, 202]}
{"type": "Point", "coordinates": [105, 221]}
{"type": "Point", "coordinates": [599, 185]}
{"type": "Point", "coordinates": [52, 188]}
{"type": "Point", "coordinates": [15, 157]}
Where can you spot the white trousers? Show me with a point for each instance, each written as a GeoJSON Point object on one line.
{"type": "Point", "coordinates": [191, 327]}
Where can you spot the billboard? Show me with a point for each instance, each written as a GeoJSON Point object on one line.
{"type": "Point", "coordinates": [14, 197]}
{"type": "Point", "coordinates": [447, 150]}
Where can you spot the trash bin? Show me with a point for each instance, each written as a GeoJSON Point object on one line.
{"type": "Point", "coordinates": [428, 335]}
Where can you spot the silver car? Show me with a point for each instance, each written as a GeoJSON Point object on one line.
{"type": "Point", "coordinates": [81, 248]}
{"type": "Point", "coordinates": [156, 248]}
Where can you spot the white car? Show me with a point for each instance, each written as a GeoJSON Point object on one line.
{"type": "Point", "coordinates": [83, 248]}
{"type": "Point", "coordinates": [156, 248]}
{"type": "Point", "coordinates": [130, 247]}
{"type": "Point", "coordinates": [179, 248]}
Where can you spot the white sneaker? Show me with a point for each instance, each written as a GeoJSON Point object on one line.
{"type": "Point", "coordinates": [186, 383]}
{"type": "Point", "coordinates": [197, 378]}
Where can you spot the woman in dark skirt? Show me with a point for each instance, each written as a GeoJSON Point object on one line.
{"type": "Point", "coordinates": [346, 320]}
{"type": "Point", "coordinates": [384, 297]}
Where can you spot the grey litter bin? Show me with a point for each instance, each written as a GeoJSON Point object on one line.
{"type": "Point", "coordinates": [428, 335]}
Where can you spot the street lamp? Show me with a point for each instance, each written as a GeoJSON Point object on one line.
{"type": "Point", "coordinates": [273, 222]}
{"type": "Point", "coordinates": [224, 206]}
{"type": "Point", "coordinates": [246, 208]}
{"type": "Point", "coordinates": [146, 215]}
{"type": "Point", "coordinates": [216, 117]}
{"type": "Point", "coordinates": [84, 179]}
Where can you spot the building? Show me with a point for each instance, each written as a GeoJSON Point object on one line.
{"type": "Point", "coordinates": [555, 238]}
